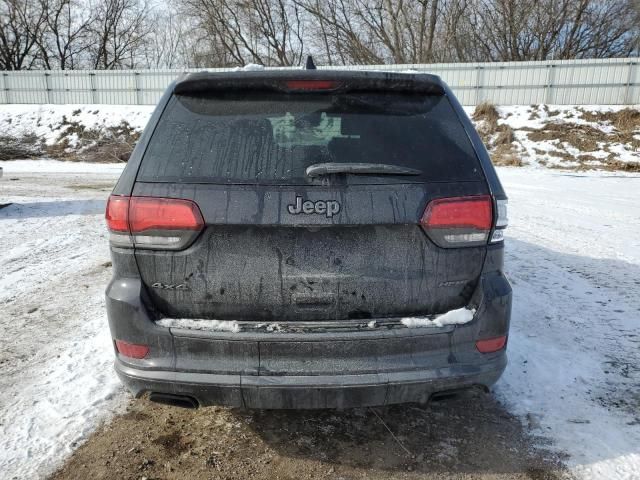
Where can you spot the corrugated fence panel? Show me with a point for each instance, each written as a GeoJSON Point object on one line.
{"type": "Point", "coordinates": [632, 93]}
{"type": "Point", "coordinates": [71, 87]}
{"type": "Point", "coordinates": [603, 82]}
{"type": "Point", "coordinates": [152, 84]}
{"type": "Point", "coordinates": [3, 90]}
{"type": "Point", "coordinates": [115, 87]}
{"type": "Point", "coordinates": [27, 87]}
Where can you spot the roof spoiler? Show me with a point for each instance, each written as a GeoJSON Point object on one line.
{"type": "Point", "coordinates": [281, 81]}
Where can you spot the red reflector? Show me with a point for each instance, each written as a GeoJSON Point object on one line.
{"type": "Point", "coordinates": [491, 345]}
{"type": "Point", "coordinates": [117, 213]}
{"type": "Point", "coordinates": [131, 350]}
{"type": "Point", "coordinates": [311, 84]}
{"type": "Point", "coordinates": [459, 212]}
{"type": "Point", "coordinates": [150, 213]}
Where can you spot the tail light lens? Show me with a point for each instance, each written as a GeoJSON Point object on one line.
{"type": "Point", "coordinates": [131, 350]}
{"type": "Point", "coordinates": [490, 345]}
{"type": "Point", "coordinates": [151, 222]}
{"type": "Point", "coordinates": [117, 213]}
{"type": "Point", "coordinates": [501, 222]}
{"type": "Point", "coordinates": [459, 221]}
{"type": "Point", "coordinates": [305, 85]}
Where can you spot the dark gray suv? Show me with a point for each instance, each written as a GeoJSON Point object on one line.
{"type": "Point", "coordinates": [307, 239]}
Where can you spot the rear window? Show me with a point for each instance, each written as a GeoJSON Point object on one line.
{"type": "Point", "coordinates": [271, 138]}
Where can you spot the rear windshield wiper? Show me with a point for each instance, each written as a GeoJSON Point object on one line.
{"type": "Point", "coordinates": [318, 169]}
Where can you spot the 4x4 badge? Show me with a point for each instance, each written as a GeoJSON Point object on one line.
{"type": "Point", "coordinates": [322, 207]}
{"type": "Point", "coordinates": [170, 286]}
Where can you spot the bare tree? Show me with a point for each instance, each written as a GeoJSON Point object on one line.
{"type": "Point", "coordinates": [378, 31]}
{"type": "Point", "coordinates": [238, 32]}
{"type": "Point", "coordinates": [168, 44]}
{"type": "Point", "coordinates": [108, 34]}
{"type": "Point", "coordinates": [21, 23]}
{"type": "Point", "coordinates": [118, 33]}
{"type": "Point", "coordinates": [504, 30]}
{"type": "Point", "coordinates": [600, 30]}
{"type": "Point", "coordinates": [65, 36]}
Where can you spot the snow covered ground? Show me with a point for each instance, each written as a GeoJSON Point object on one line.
{"type": "Point", "coordinates": [56, 380]}
{"type": "Point", "coordinates": [573, 256]}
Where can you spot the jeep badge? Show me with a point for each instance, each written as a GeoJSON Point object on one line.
{"type": "Point", "coordinates": [322, 207]}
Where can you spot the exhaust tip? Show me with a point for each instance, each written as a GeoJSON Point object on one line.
{"type": "Point", "coordinates": [454, 392]}
{"type": "Point", "coordinates": [181, 401]}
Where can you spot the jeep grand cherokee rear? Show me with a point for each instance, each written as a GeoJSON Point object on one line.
{"type": "Point", "coordinates": [307, 239]}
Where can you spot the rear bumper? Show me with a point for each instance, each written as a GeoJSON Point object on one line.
{"type": "Point", "coordinates": [309, 392]}
{"type": "Point", "coordinates": [378, 366]}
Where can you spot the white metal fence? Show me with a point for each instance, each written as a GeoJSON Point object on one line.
{"type": "Point", "coordinates": [588, 82]}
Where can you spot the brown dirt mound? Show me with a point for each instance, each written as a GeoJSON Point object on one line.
{"type": "Point", "coordinates": [15, 148]}
{"type": "Point", "coordinates": [113, 144]}
{"type": "Point", "coordinates": [498, 138]}
{"type": "Point", "coordinates": [487, 112]}
{"type": "Point", "coordinates": [626, 120]}
{"type": "Point", "coordinates": [582, 137]}
{"type": "Point", "coordinates": [468, 436]}
{"type": "Point", "coordinates": [587, 138]}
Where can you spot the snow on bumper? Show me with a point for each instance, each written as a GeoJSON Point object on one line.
{"type": "Point", "coordinates": [459, 316]}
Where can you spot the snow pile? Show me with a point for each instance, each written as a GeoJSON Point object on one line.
{"type": "Point", "coordinates": [50, 122]}
{"type": "Point", "coordinates": [273, 327]}
{"type": "Point", "coordinates": [561, 136]}
{"type": "Point", "coordinates": [95, 133]}
{"type": "Point", "coordinates": [250, 67]}
{"type": "Point", "coordinates": [459, 316]}
{"type": "Point", "coordinates": [207, 325]}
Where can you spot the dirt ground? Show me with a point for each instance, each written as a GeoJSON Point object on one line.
{"type": "Point", "coordinates": [467, 436]}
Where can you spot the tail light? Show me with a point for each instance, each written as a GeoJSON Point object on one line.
{"type": "Point", "coordinates": [305, 85]}
{"type": "Point", "coordinates": [490, 345]}
{"type": "Point", "coordinates": [501, 222]}
{"type": "Point", "coordinates": [132, 350]}
{"type": "Point", "coordinates": [459, 221]}
{"type": "Point", "coordinates": [151, 222]}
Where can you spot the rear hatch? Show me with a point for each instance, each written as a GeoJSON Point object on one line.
{"type": "Point", "coordinates": [310, 203]}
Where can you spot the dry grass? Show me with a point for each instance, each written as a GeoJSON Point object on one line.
{"type": "Point", "coordinates": [110, 150]}
{"type": "Point", "coordinates": [19, 148]}
{"type": "Point", "coordinates": [617, 165]}
{"type": "Point", "coordinates": [582, 137]}
{"type": "Point", "coordinates": [497, 137]}
{"type": "Point", "coordinates": [74, 143]}
{"type": "Point", "coordinates": [567, 135]}
{"type": "Point", "coordinates": [487, 112]}
{"type": "Point", "coordinates": [625, 121]}
{"type": "Point", "coordinates": [113, 144]}
{"type": "Point", "coordinates": [534, 113]}
{"type": "Point", "coordinates": [506, 159]}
